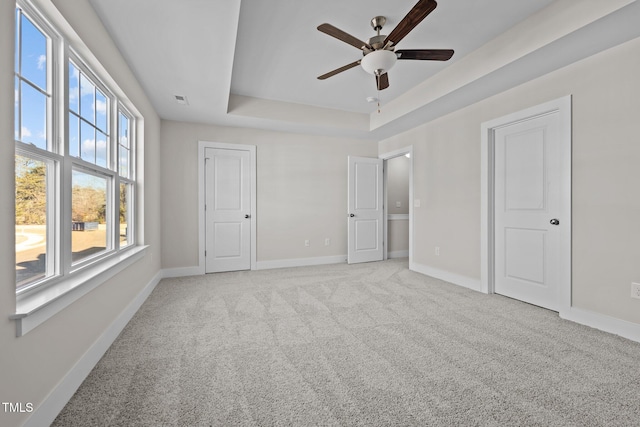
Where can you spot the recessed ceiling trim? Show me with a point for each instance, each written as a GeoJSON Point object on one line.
{"type": "Point", "coordinates": [538, 32]}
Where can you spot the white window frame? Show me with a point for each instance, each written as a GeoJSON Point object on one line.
{"type": "Point", "coordinates": [39, 300]}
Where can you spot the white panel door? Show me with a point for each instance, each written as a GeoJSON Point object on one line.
{"type": "Point", "coordinates": [527, 208]}
{"type": "Point", "coordinates": [365, 221]}
{"type": "Point", "coordinates": [227, 210]}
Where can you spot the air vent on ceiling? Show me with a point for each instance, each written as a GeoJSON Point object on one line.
{"type": "Point", "coordinates": [181, 99]}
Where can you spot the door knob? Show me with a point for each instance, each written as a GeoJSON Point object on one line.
{"type": "Point", "coordinates": [247, 216]}
{"type": "Point", "coordinates": [554, 221]}
{"type": "Point", "coordinates": [351, 215]}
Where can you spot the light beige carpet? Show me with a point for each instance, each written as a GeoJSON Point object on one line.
{"type": "Point", "coordinates": [369, 344]}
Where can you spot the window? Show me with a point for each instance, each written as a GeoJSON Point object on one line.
{"type": "Point", "coordinates": [75, 151]}
{"type": "Point", "coordinates": [32, 236]}
{"type": "Point", "coordinates": [88, 214]}
{"type": "Point", "coordinates": [88, 119]}
{"type": "Point", "coordinates": [125, 172]}
{"type": "Point", "coordinates": [36, 160]}
{"type": "Point", "coordinates": [32, 83]}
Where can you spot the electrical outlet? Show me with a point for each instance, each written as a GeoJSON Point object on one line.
{"type": "Point", "coordinates": [327, 241]}
{"type": "Point", "coordinates": [437, 250]}
{"type": "Point", "coordinates": [398, 204]}
{"type": "Point", "coordinates": [635, 290]}
{"type": "Point", "coordinates": [307, 243]}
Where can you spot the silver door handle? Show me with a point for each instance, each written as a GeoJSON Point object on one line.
{"type": "Point", "coordinates": [247, 216]}
{"type": "Point", "coordinates": [351, 215]}
{"type": "Point", "coordinates": [554, 221]}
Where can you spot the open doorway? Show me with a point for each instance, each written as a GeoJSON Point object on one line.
{"type": "Point", "coordinates": [398, 204]}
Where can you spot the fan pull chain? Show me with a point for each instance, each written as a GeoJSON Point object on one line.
{"type": "Point", "coordinates": [378, 100]}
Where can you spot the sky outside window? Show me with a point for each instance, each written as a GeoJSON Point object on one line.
{"type": "Point", "coordinates": [31, 99]}
{"type": "Point", "coordinates": [88, 119]}
{"type": "Point", "coordinates": [124, 148]}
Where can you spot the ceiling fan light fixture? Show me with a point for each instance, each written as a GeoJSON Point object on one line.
{"type": "Point", "coordinates": [378, 62]}
{"type": "Point", "coordinates": [378, 52]}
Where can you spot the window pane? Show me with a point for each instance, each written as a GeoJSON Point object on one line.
{"type": "Point", "coordinates": [34, 54]}
{"type": "Point", "coordinates": [74, 137]}
{"type": "Point", "coordinates": [101, 111]}
{"type": "Point", "coordinates": [124, 162]}
{"type": "Point", "coordinates": [87, 99]}
{"type": "Point", "coordinates": [74, 88]}
{"type": "Point", "coordinates": [123, 149]}
{"type": "Point", "coordinates": [31, 220]}
{"type": "Point", "coordinates": [16, 109]}
{"type": "Point", "coordinates": [124, 215]}
{"type": "Point", "coordinates": [94, 113]}
{"type": "Point", "coordinates": [34, 117]}
{"type": "Point", "coordinates": [88, 215]}
{"type": "Point", "coordinates": [88, 138]}
{"type": "Point", "coordinates": [123, 133]}
{"type": "Point", "coordinates": [101, 149]}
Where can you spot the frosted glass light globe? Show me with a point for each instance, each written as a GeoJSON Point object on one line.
{"type": "Point", "coordinates": [378, 62]}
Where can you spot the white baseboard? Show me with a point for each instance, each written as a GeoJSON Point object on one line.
{"type": "Point", "coordinates": [603, 322]}
{"type": "Point", "coordinates": [49, 409]}
{"type": "Point", "coordinates": [398, 254]}
{"type": "Point", "coordinates": [182, 272]}
{"type": "Point", "coordinates": [612, 325]}
{"type": "Point", "coordinates": [447, 276]}
{"type": "Point", "coordinates": [300, 262]}
{"type": "Point", "coordinates": [262, 265]}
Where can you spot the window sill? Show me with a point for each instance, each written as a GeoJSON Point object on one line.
{"type": "Point", "coordinates": [35, 308]}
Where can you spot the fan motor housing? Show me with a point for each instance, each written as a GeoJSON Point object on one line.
{"type": "Point", "coordinates": [377, 42]}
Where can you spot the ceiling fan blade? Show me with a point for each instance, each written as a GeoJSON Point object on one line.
{"type": "Point", "coordinates": [339, 70]}
{"type": "Point", "coordinates": [409, 22]}
{"type": "Point", "coordinates": [425, 54]}
{"type": "Point", "coordinates": [382, 82]}
{"type": "Point", "coordinates": [342, 36]}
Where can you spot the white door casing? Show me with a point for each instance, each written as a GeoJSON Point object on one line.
{"type": "Point", "coordinates": [527, 203]}
{"type": "Point", "coordinates": [227, 210]}
{"type": "Point", "coordinates": [527, 190]}
{"type": "Point", "coordinates": [365, 210]}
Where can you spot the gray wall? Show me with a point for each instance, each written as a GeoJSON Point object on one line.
{"type": "Point", "coordinates": [605, 199]}
{"type": "Point", "coordinates": [34, 364]}
{"type": "Point", "coordinates": [301, 194]}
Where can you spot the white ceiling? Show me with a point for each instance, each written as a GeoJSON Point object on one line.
{"type": "Point", "coordinates": [232, 59]}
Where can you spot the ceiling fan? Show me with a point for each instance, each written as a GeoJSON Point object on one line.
{"type": "Point", "coordinates": [379, 53]}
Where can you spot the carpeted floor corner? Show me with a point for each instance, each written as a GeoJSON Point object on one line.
{"type": "Point", "coordinates": [353, 345]}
